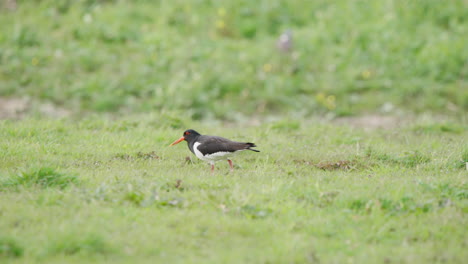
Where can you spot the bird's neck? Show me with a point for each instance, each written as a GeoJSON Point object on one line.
{"type": "Point", "coordinates": [191, 143]}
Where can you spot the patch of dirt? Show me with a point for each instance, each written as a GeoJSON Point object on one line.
{"type": "Point", "coordinates": [335, 165]}
{"type": "Point", "coordinates": [10, 5]}
{"type": "Point", "coordinates": [18, 108]}
{"type": "Point", "coordinates": [178, 184]}
{"type": "Point", "coordinates": [148, 155]}
{"type": "Point", "coordinates": [51, 110]}
{"type": "Point", "coordinates": [13, 108]}
{"type": "Point", "coordinates": [140, 155]}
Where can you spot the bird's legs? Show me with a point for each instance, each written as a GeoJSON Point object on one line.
{"type": "Point", "coordinates": [230, 164]}
{"type": "Point", "coordinates": [212, 168]}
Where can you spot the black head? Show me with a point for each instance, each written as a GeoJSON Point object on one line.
{"type": "Point", "coordinates": [190, 135]}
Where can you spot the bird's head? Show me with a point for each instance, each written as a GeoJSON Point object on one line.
{"type": "Point", "coordinates": [188, 136]}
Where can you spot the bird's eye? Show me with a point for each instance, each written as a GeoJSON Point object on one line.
{"type": "Point", "coordinates": [187, 133]}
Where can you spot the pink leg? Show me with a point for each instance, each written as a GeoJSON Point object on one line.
{"type": "Point", "coordinates": [230, 164]}
{"type": "Point", "coordinates": [212, 168]}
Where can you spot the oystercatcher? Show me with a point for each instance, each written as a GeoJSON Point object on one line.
{"type": "Point", "coordinates": [213, 148]}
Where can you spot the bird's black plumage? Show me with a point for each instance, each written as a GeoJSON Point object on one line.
{"type": "Point", "coordinates": [212, 144]}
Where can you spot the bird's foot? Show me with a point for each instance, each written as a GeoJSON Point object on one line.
{"type": "Point", "coordinates": [230, 165]}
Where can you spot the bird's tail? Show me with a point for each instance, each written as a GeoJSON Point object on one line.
{"type": "Point", "coordinates": [251, 145]}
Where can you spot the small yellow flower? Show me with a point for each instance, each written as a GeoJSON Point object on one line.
{"type": "Point", "coordinates": [330, 103]}
{"type": "Point", "coordinates": [220, 24]}
{"type": "Point", "coordinates": [366, 74]}
{"type": "Point", "coordinates": [221, 12]}
{"type": "Point", "coordinates": [325, 100]}
{"type": "Point", "coordinates": [34, 61]}
{"type": "Point", "coordinates": [267, 67]}
{"type": "Point", "coordinates": [320, 96]}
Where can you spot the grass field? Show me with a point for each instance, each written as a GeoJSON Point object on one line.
{"type": "Point", "coordinates": [101, 190]}
{"type": "Point", "coordinates": [213, 58]}
{"type": "Point", "coordinates": [362, 128]}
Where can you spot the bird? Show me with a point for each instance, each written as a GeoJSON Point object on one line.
{"type": "Point", "coordinates": [213, 148]}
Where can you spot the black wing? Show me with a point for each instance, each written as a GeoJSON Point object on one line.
{"type": "Point", "coordinates": [213, 144]}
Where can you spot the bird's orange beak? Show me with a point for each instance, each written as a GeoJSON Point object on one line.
{"type": "Point", "coordinates": [177, 141]}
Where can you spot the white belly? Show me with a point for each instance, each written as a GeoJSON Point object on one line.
{"type": "Point", "coordinates": [212, 158]}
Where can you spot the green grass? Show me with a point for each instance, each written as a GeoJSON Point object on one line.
{"type": "Point", "coordinates": [43, 177]}
{"type": "Point", "coordinates": [316, 192]}
{"type": "Point", "coordinates": [213, 58]}
{"type": "Point", "coordinates": [9, 248]}
{"type": "Point", "coordinates": [102, 185]}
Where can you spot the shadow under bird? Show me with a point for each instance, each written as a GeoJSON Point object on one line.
{"type": "Point", "coordinates": [213, 148]}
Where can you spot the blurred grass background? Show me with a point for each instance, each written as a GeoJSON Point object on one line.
{"type": "Point", "coordinates": [219, 59]}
